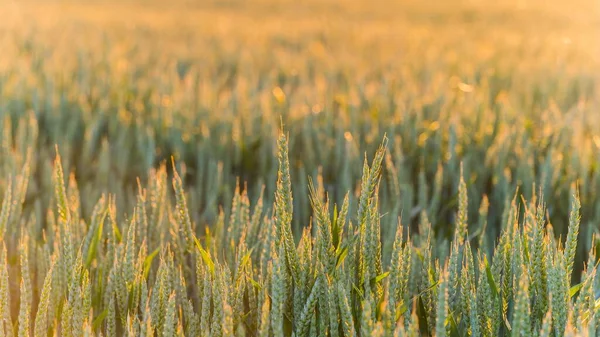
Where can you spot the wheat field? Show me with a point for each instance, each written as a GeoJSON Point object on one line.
{"type": "Point", "coordinates": [299, 168]}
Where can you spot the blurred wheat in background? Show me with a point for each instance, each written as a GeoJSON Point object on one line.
{"type": "Point", "coordinates": [299, 168]}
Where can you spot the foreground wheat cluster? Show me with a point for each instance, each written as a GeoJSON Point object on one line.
{"type": "Point", "coordinates": [154, 274]}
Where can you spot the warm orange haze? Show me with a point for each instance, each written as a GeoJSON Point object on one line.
{"type": "Point", "coordinates": [299, 168]}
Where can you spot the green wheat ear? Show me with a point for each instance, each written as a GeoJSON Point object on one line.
{"type": "Point", "coordinates": [6, 207]}
{"type": "Point", "coordinates": [26, 291]}
{"type": "Point", "coordinates": [185, 222]}
{"type": "Point", "coordinates": [5, 298]}
{"type": "Point", "coordinates": [442, 304]}
{"type": "Point", "coordinates": [41, 318]}
{"type": "Point", "coordinates": [264, 324]}
{"type": "Point", "coordinates": [170, 319]}
{"type": "Point", "coordinates": [559, 294]}
{"type": "Point", "coordinates": [521, 317]}
{"type": "Point", "coordinates": [462, 217]}
{"type": "Point", "coordinates": [60, 193]}
{"type": "Point", "coordinates": [309, 306]}
{"type": "Point", "coordinates": [284, 207]}
{"type": "Point", "coordinates": [571, 242]}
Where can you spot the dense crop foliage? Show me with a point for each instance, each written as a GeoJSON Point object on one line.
{"type": "Point", "coordinates": [213, 176]}
{"type": "Point", "coordinates": [151, 273]}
